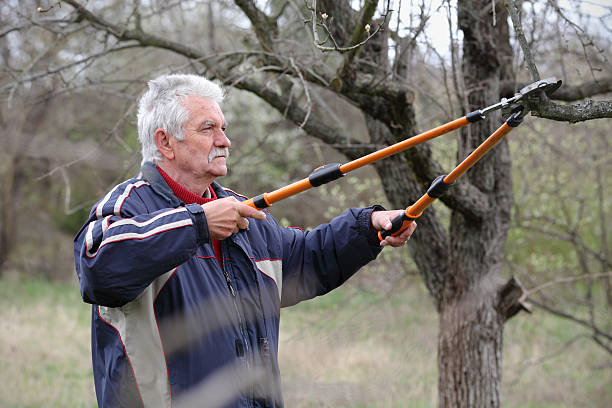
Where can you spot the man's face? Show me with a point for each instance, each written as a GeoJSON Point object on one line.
{"type": "Point", "coordinates": [203, 152]}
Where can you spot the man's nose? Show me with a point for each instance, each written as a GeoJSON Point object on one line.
{"type": "Point", "coordinates": [221, 139]}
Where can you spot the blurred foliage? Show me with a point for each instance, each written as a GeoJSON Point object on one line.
{"type": "Point", "coordinates": [561, 217]}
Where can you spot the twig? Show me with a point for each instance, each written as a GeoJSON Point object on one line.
{"type": "Point", "coordinates": [66, 66]}
{"type": "Point", "coordinates": [580, 33]}
{"type": "Point", "coordinates": [597, 340]}
{"type": "Point", "coordinates": [533, 362]}
{"type": "Point", "coordinates": [573, 318]}
{"type": "Point", "coordinates": [514, 12]}
{"type": "Point", "coordinates": [306, 92]}
{"type": "Point", "coordinates": [89, 153]}
{"type": "Point", "coordinates": [409, 42]}
{"type": "Point", "coordinates": [318, 43]}
{"type": "Point", "coordinates": [461, 95]}
{"type": "Point", "coordinates": [11, 29]}
{"type": "Point", "coordinates": [567, 279]}
{"type": "Point", "coordinates": [566, 237]}
{"type": "Point", "coordinates": [234, 81]}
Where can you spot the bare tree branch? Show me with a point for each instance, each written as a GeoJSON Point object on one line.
{"type": "Point", "coordinates": [567, 93]}
{"type": "Point", "coordinates": [11, 29]}
{"type": "Point", "coordinates": [362, 27]}
{"type": "Point", "coordinates": [515, 12]}
{"type": "Point", "coordinates": [596, 338]}
{"type": "Point", "coordinates": [567, 279]}
{"type": "Point", "coordinates": [356, 42]}
{"type": "Point", "coordinates": [571, 113]}
{"type": "Point", "coordinates": [295, 113]}
{"type": "Point", "coordinates": [536, 361]}
{"type": "Point", "coordinates": [573, 238]}
{"type": "Point", "coordinates": [122, 33]}
{"type": "Point", "coordinates": [265, 27]}
{"type": "Point", "coordinates": [582, 322]}
{"type": "Point", "coordinates": [56, 70]}
{"type": "Point", "coordinates": [306, 92]}
{"type": "Point", "coordinates": [579, 112]}
{"type": "Point", "coordinates": [585, 40]}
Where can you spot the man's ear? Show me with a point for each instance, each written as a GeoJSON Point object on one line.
{"type": "Point", "coordinates": [163, 143]}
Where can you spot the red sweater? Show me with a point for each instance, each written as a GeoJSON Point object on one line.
{"type": "Point", "coordinates": [191, 198]}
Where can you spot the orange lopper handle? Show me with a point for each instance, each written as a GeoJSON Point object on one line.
{"type": "Point", "coordinates": [443, 183]}
{"type": "Point", "coordinates": [331, 172]}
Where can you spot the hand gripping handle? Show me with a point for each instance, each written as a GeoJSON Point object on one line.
{"type": "Point", "coordinates": [398, 225]}
{"type": "Point", "coordinates": [401, 222]}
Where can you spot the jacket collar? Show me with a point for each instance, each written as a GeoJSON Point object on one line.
{"type": "Point", "coordinates": [150, 174]}
{"type": "Point", "coordinates": [158, 184]}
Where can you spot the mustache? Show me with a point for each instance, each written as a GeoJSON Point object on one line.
{"type": "Point", "coordinates": [218, 152]}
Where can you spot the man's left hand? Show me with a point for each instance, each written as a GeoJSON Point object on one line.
{"type": "Point", "coordinates": [381, 220]}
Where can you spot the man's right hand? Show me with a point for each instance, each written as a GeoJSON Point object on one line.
{"type": "Point", "coordinates": [227, 216]}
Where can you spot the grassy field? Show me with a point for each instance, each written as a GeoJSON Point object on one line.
{"type": "Point", "coordinates": [45, 353]}
{"type": "Point", "coordinates": [352, 348]}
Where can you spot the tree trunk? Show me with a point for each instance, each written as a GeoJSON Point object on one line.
{"type": "Point", "coordinates": [18, 135]}
{"type": "Point", "coordinates": [471, 322]}
{"type": "Point", "coordinates": [11, 188]}
{"type": "Point", "coordinates": [469, 353]}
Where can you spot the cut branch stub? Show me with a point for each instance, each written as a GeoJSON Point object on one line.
{"type": "Point", "coordinates": [512, 299]}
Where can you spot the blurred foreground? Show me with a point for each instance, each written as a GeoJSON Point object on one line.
{"type": "Point", "coordinates": [371, 343]}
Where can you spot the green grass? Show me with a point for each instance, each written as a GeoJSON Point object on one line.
{"type": "Point", "coordinates": [355, 347]}
{"type": "Point", "coordinates": [45, 353]}
{"type": "Point", "coordinates": [366, 348]}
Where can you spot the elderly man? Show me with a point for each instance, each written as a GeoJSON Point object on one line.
{"type": "Point", "coordinates": [186, 282]}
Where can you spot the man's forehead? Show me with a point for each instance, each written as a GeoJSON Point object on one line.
{"type": "Point", "coordinates": [197, 100]}
{"type": "Point", "coordinates": [199, 106]}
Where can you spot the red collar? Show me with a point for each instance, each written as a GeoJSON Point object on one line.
{"type": "Point", "coordinates": [191, 198]}
{"type": "Point", "coordinates": [183, 194]}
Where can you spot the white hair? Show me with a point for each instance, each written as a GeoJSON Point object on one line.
{"type": "Point", "coordinates": [160, 107]}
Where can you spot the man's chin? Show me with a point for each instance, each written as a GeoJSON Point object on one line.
{"type": "Point", "coordinates": [218, 171]}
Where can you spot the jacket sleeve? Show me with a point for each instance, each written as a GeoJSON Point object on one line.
{"type": "Point", "coordinates": [318, 261]}
{"type": "Point", "coordinates": [122, 248]}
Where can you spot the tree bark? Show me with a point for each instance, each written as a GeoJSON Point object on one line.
{"type": "Point", "coordinates": [11, 185]}
{"type": "Point", "coordinates": [470, 353]}
{"type": "Point", "coordinates": [429, 248]}
{"type": "Point", "coordinates": [471, 324]}
{"type": "Point", "coordinates": [26, 121]}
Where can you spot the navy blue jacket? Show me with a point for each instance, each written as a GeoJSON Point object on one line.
{"type": "Point", "coordinates": [169, 324]}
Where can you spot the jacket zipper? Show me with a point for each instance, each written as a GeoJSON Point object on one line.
{"type": "Point", "coordinates": [235, 301]}
{"type": "Point", "coordinates": [229, 284]}
{"type": "Point", "coordinates": [241, 324]}
{"type": "Point", "coordinates": [240, 320]}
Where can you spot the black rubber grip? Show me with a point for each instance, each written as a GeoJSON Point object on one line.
{"type": "Point", "coordinates": [325, 174]}
{"type": "Point", "coordinates": [515, 119]}
{"type": "Point", "coordinates": [260, 202]}
{"type": "Point", "coordinates": [438, 187]}
{"type": "Point", "coordinates": [475, 116]}
{"type": "Point", "coordinates": [396, 225]}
